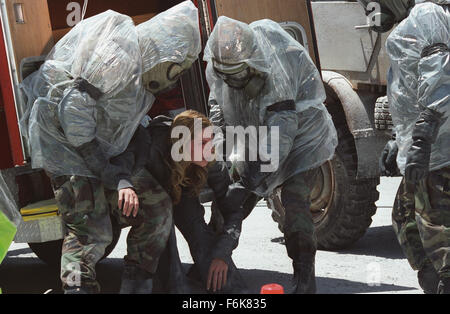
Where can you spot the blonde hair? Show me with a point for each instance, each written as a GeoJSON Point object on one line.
{"type": "Point", "coordinates": [185, 174]}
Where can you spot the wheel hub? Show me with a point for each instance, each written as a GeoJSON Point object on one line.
{"type": "Point", "coordinates": [323, 191]}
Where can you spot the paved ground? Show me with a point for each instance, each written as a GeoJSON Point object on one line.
{"type": "Point", "coordinates": [375, 264]}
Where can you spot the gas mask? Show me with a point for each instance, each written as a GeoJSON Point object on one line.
{"type": "Point", "coordinates": [391, 12]}
{"type": "Point", "coordinates": [241, 76]}
{"type": "Point", "coordinates": [164, 76]}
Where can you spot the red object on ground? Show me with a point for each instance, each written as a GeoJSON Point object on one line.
{"type": "Point", "coordinates": [272, 288]}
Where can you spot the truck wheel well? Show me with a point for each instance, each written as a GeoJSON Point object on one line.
{"type": "Point", "coordinates": [334, 106]}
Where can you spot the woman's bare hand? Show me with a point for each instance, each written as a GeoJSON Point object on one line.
{"type": "Point", "coordinates": [128, 202]}
{"type": "Point", "coordinates": [217, 276]}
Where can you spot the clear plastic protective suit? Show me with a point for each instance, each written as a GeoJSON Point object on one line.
{"type": "Point", "coordinates": [104, 51]}
{"type": "Point", "coordinates": [418, 80]}
{"type": "Point", "coordinates": [109, 54]}
{"type": "Point", "coordinates": [307, 134]}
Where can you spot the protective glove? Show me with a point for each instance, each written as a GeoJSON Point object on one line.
{"type": "Point", "coordinates": [424, 135]}
{"type": "Point", "coordinates": [388, 159]}
{"type": "Point", "coordinates": [236, 194]}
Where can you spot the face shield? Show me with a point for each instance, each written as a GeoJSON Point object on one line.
{"type": "Point", "coordinates": [386, 13]}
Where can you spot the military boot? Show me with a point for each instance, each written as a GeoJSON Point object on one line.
{"type": "Point", "coordinates": [304, 281]}
{"type": "Point", "coordinates": [136, 281]}
{"type": "Point", "coordinates": [428, 278]}
{"type": "Point", "coordinates": [444, 286]}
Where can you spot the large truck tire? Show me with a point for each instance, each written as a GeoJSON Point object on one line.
{"type": "Point", "coordinates": [50, 252]}
{"type": "Point", "coordinates": [349, 214]}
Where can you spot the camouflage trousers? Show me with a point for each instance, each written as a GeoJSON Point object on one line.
{"type": "Point", "coordinates": [421, 221]}
{"type": "Point", "coordinates": [85, 207]}
{"type": "Point", "coordinates": [299, 231]}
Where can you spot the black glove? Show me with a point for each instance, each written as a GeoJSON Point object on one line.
{"type": "Point", "coordinates": [388, 159]}
{"type": "Point", "coordinates": [424, 135]}
{"type": "Point", "coordinates": [237, 194]}
{"type": "Point", "coordinates": [232, 202]}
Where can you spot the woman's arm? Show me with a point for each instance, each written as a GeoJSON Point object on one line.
{"type": "Point", "coordinates": [118, 172]}
{"type": "Point", "coordinates": [229, 197]}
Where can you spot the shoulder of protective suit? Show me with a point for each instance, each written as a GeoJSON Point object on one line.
{"type": "Point", "coordinates": [426, 10]}
{"type": "Point", "coordinates": [421, 15]}
{"type": "Point", "coordinates": [264, 23]}
{"type": "Point", "coordinates": [271, 30]}
{"type": "Point", "coordinates": [276, 36]}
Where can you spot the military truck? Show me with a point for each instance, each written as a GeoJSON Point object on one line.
{"type": "Point", "coordinates": [353, 71]}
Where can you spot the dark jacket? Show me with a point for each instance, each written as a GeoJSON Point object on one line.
{"type": "Point", "coordinates": [150, 148]}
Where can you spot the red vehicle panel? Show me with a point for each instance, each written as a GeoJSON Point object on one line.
{"type": "Point", "coordinates": [11, 145]}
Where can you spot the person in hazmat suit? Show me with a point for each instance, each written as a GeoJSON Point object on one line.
{"type": "Point", "coordinates": [419, 99]}
{"type": "Point", "coordinates": [85, 103]}
{"type": "Point", "coordinates": [261, 77]}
